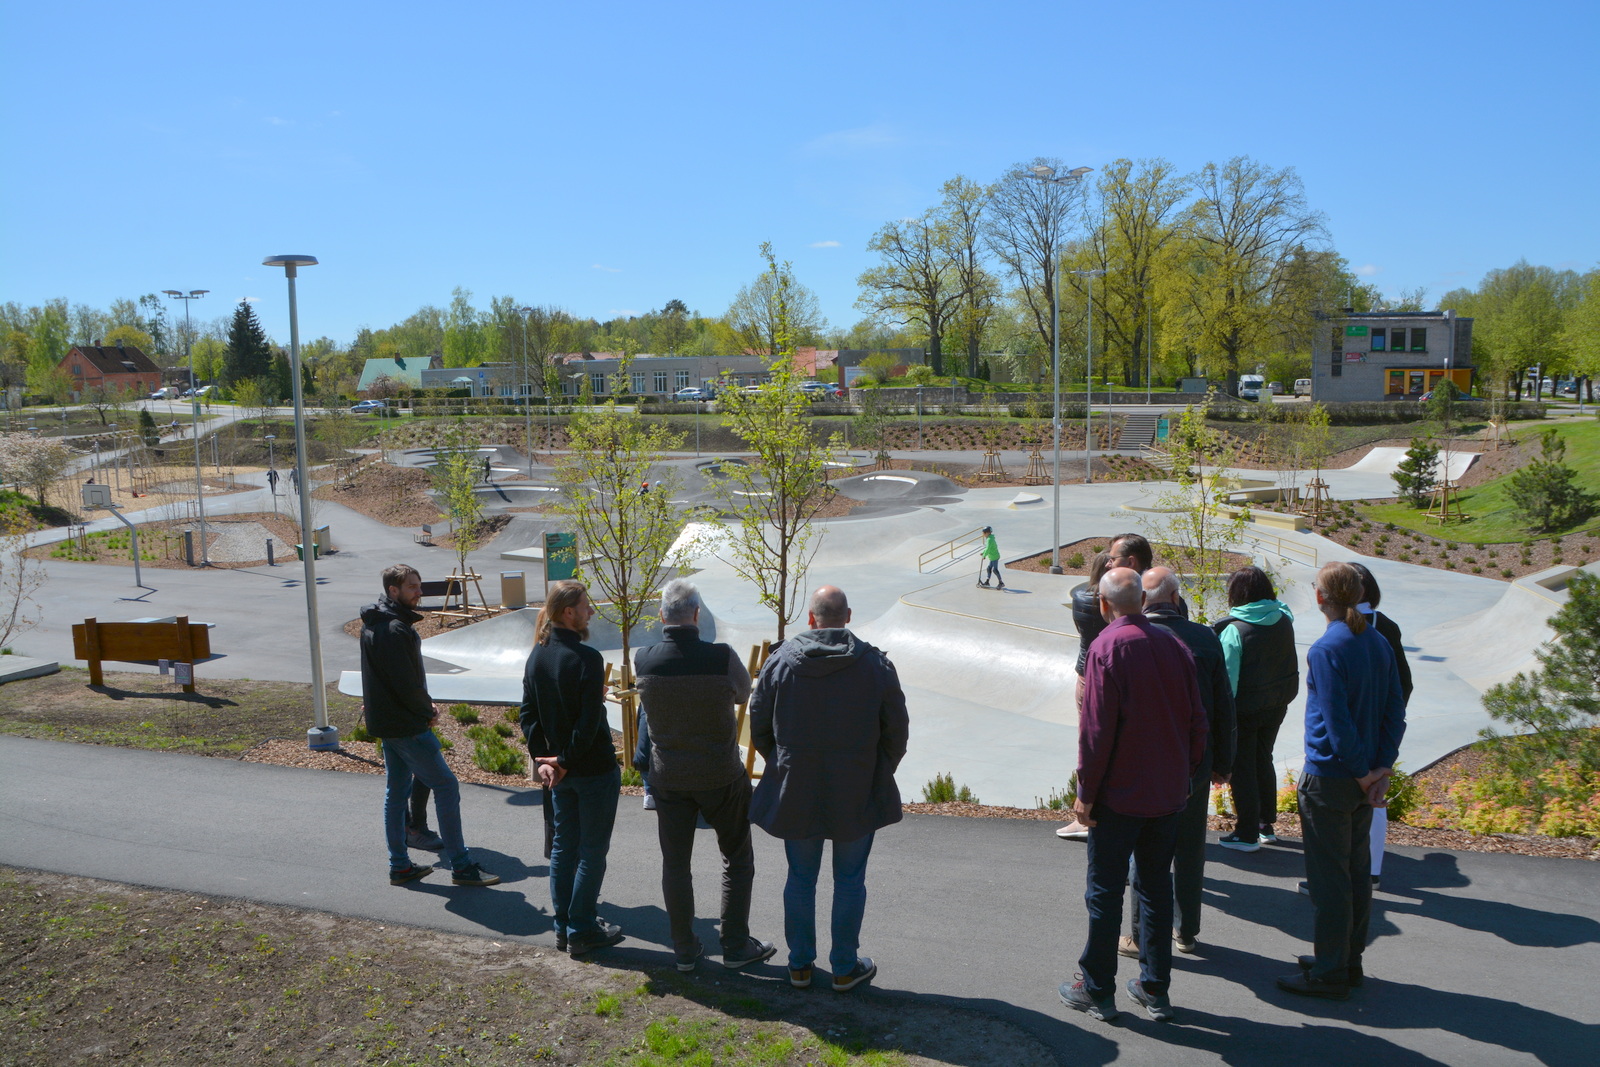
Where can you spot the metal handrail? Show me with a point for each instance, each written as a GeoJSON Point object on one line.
{"type": "Point", "coordinates": [1284, 548]}
{"type": "Point", "coordinates": [949, 549]}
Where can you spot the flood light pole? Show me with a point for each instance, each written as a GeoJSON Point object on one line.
{"type": "Point", "coordinates": [321, 736]}
{"type": "Point", "coordinates": [1088, 379]}
{"type": "Point", "coordinates": [194, 413]}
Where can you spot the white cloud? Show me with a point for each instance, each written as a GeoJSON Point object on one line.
{"type": "Point", "coordinates": [608, 270]}
{"type": "Point", "coordinates": [871, 138]}
{"type": "Point", "coordinates": [273, 120]}
{"type": "Point", "coordinates": [1367, 270]}
{"type": "Point", "coordinates": [251, 300]}
{"type": "Point", "coordinates": [824, 244]}
{"type": "Point", "coordinates": [617, 313]}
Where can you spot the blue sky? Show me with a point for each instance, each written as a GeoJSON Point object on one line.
{"type": "Point", "coordinates": [609, 157]}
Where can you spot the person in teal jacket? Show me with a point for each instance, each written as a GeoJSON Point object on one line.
{"type": "Point", "coordinates": [991, 556]}
{"type": "Point", "coordinates": [1264, 670]}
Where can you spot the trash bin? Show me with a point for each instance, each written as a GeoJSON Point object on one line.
{"type": "Point", "coordinates": [513, 590]}
{"type": "Point", "coordinates": [300, 551]}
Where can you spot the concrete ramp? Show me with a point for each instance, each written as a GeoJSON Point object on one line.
{"type": "Point", "coordinates": [1489, 647]}
{"type": "Point", "coordinates": [1385, 460]}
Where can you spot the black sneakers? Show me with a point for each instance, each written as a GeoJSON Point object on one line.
{"type": "Point", "coordinates": [1156, 1005]}
{"type": "Point", "coordinates": [1302, 984]}
{"type": "Point", "coordinates": [861, 972]}
{"type": "Point", "coordinates": [1240, 844]}
{"type": "Point", "coordinates": [605, 936]}
{"type": "Point", "coordinates": [1354, 974]}
{"type": "Point", "coordinates": [472, 874]}
{"type": "Point", "coordinates": [751, 953]}
{"type": "Point", "coordinates": [402, 875]}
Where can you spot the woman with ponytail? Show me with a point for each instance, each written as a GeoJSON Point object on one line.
{"type": "Point", "coordinates": [1355, 718]}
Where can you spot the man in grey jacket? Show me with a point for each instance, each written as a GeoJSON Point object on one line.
{"type": "Point", "coordinates": [829, 718]}
{"type": "Point", "coordinates": [688, 688]}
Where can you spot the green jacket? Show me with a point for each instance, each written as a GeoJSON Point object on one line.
{"type": "Point", "coordinates": [991, 550]}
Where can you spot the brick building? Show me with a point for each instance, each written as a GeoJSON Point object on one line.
{"type": "Point", "coordinates": [115, 366]}
{"type": "Point", "coordinates": [1389, 355]}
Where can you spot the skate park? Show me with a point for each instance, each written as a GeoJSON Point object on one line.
{"type": "Point", "coordinates": [989, 681]}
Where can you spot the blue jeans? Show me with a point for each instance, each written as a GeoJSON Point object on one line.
{"type": "Point", "coordinates": [1150, 843]}
{"type": "Point", "coordinates": [991, 568]}
{"type": "Point", "coordinates": [420, 758]}
{"type": "Point", "coordinates": [849, 900]}
{"type": "Point", "coordinates": [584, 809]}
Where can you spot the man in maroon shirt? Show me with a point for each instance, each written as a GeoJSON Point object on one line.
{"type": "Point", "coordinates": [1141, 736]}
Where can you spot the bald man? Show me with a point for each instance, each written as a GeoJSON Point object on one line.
{"type": "Point", "coordinates": [829, 718]}
{"type": "Point", "coordinates": [1141, 736]}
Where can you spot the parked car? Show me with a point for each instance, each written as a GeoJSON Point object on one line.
{"type": "Point", "coordinates": [1251, 386]}
{"type": "Point", "coordinates": [204, 390]}
{"type": "Point", "coordinates": [166, 392]}
{"type": "Point", "coordinates": [693, 392]}
{"type": "Point", "coordinates": [365, 406]}
{"type": "Point", "coordinates": [1302, 387]}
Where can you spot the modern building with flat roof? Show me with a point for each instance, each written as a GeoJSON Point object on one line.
{"type": "Point", "coordinates": [1389, 355]}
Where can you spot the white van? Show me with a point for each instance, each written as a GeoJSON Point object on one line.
{"type": "Point", "coordinates": [1251, 386]}
{"type": "Point", "coordinates": [1302, 387]}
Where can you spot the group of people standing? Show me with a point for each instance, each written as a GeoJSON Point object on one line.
{"type": "Point", "coordinates": [827, 714]}
{"type": "Point", "coordinates": [1168, 708]}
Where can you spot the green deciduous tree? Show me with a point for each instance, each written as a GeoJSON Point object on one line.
{"type": "Point", "coordinates": [776, 497]}
{"type": "Point", "coordinates": [754, 316]}
{"type": "Point", "coordinates": [1025, 225]}
{"type": "Point", "coordinates": [456, 472]}
{"type": "Point", "coordinates": [1545, 492]}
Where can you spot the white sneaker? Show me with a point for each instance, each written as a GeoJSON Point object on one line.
{"type": "Point", "coordinates": [1073, 831]}
{"type": "Point", "coordinates": [649, 802]}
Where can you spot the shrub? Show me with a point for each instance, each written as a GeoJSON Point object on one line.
{"type": "Point", "coordinates": [1075, 560]}
{"type": "Point", "coordinates": [1403, 794]}
{"type": "Point", "coordinates": [444, 742]}
{"type": "Point", "coordinates": [1221, 800]}
{"type": "Point", "coordinates": [631, 776]}
{"type": "Point", "coordinates": [1289, 795]}
{"type": "Point", "coordinates": [514, 716]}
{"type": "Point", "coordinates": [1507, 572]}
{"type": "Point", "coordinates": [1062, 799]}
{"type": "Point", "coordinates": [358, 732]}
{"type": "Point", "coordinates": [491, 753]}
{"type": "Point", "coordinates": [942, 790]}
{"type": "Point", "coordinates": [463, 713]}
{"type": "Point", "coordinates": [503, 729]}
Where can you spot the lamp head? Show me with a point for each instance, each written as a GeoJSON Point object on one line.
{"type": "Point", "coordinates": [172, 292]}
{"type": "Point", "coordinates": [289, 261]}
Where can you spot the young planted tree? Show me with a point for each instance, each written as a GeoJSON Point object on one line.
{"type": "Point", "coordinates": [1195, 529]}
{"type": "Point", "coordinates": [869, 428]}
{"type": "Point", "coordinates": [1417, 474]}
{"type": "Point", "coordinates": [34, 463]}
{"type": "Point", "coordinates": [456, 471]}
{"type": "Point", "coordinates": [622, 509]}
{"type": "Point", "coordinates": [20, 578]}
{"type": "Point", "coordinates": [1545, 492]}
{"type": "Point", "coordinates": [776, 497]}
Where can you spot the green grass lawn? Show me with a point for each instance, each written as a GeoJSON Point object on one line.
{"type": "Point", "coordinates": [1488, 506]}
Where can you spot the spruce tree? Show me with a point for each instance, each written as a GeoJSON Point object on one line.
{"type": "Point", "coordinates": [1545, 493]}
{"type": "Point", "coordinates": [249, 355]}
{"type": "Point", "coordinates": [1416, 475]}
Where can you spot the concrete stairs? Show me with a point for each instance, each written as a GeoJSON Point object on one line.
{"type": "Point", "coordinates": [1138, 430]}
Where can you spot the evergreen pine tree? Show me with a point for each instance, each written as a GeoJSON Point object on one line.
{"type": "Point", "coordinates": [249, 355]}
{"type": "Point", "coordinates": [1545, 493]}
{"type": "Point", "coordinates": [1416, 475]}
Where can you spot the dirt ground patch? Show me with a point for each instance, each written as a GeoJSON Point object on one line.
{"type": "Point", "coordinates": [99, 972]}
{"type": "Point", "coordinates": [161, 543]}
{"type": "Point", "coordinates": [394, 496]}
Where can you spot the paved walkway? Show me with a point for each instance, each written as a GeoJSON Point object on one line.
{"type": "Point", "coordinates": [1477, 959]}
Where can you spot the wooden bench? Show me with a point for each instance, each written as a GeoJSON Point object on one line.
{"type": "Point", "coordinates": [180, 641]}
{"type": "Point", "coordinates": [445, 587]}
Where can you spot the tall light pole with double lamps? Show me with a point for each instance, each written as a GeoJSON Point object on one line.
{"type": "Point", "coordinates": [1074, 176]}
{"type": "Point", "coordinates": [527, 390]}
{"type": "Point", "coordinates": [322, 736]}
{"type": "Point", "coordinates": [1088, 379]}
{"type": "Point", "coordinates": [194, 412]}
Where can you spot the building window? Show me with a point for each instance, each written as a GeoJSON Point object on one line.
{"type": "Point", "coordinates": [1419, 338]}
{"type": "Point", "coordinates": [661, 381]}
{"type": "Point", "coordinates": [597, 384]}
{"type": "Point", "coordinates": [683, 379]}
{"type": "Point", "coordinates": [1379, 338]}
{"type": "Point", "coordinates": [638, 384]}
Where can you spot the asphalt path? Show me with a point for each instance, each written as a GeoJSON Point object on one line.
{"type": "Point", "coordinates": [1477, 958]}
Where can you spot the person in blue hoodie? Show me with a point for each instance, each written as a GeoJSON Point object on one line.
{"type": "Point", "coordinates": [1264, 671]}
{"type": "Point", "coordinates": [1355, 719]}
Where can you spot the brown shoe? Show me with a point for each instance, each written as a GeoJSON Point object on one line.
{"type": "Point", "coordinates": [1127, 946]}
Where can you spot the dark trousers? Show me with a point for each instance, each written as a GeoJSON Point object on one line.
{"type": "Point", "coordinates": [1335, 820]}
{"type": "Point", "coordinates": [1112, 841]}
{"type": "Point", "coordinates": [727, 809]}
{"type": "Point", "coordinates": [1254, 785]}
{"type": "Point", "coordinates": [419, 804]}
{"type": "Point", "coordinates": [1188, 857]}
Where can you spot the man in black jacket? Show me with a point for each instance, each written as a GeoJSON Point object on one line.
{"type": "Point", "coordinates": [1161, 595]}
{"type": "Point", "coordinates": [688, 688]}
{"type": "Point", "coordinates": [399, 711]}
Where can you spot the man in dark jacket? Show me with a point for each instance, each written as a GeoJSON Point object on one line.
{"type": "Point", "coordinates": [399, 711]}
{"type": "Point", "coordinates": [687, 689]}
{"type": "Point", "coordinates": [829, 718]}
{"type": "Point", "coordinates": [1189, 860]}
{"type": "Point", "coordinates": [563, 719]}
{"type": "Point", "coordinates": [1141, 736]}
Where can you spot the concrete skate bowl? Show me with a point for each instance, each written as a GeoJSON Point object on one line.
{"type": "Point", "coordinates": [981, 662]}
{"type": "Point", "coordinates": [500, 646]}
{"type": "Point", "coordinates": [498, 497]}
{"type": "Point", "coordinates": [1386, 459]}
{"type": "Point", "coordinates": [905, 488]}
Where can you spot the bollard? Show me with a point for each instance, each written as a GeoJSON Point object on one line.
{"type": "Point", "coordinates": [188, 546]}
{"type": "Point", "coordinates": [269, 553]}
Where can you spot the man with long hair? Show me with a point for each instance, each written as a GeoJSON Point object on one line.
{"type": "Point", "coordinates": [563, 719]}
{"type": "Point", "coordinates": [1355, 718]}
{"type": "Point", "coordinates": [394, 689]}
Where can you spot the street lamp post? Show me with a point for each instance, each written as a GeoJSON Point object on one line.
{"type": "Point", "coordinates": [1088, 379]}
{"type": "Point", "coordinates": [1048, 174]}
{"type": "Point", "coordinates": [272, 465]}
{"type": "Point", "coordinates": [194, 413]}
{"type": "Point", "coordinates": [321, 736]}
{"type": "Point", "coordinates": [527, 390]}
